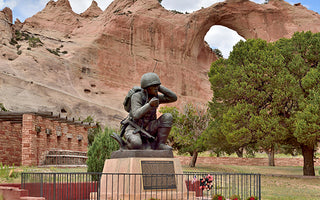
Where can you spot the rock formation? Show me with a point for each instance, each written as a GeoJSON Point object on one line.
{"type": "Point", "coordinates": [85, 64]}
{"type": "Point", "coordinates": [5, 25]}
{"type": "Point", "coordinates": [92, 11]}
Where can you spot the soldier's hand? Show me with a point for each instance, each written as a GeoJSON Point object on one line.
{"type": "Point", "coordinates": [154, 102]}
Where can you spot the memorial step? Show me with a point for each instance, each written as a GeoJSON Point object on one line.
{"type": "Point", "coordinates": [65, 157]}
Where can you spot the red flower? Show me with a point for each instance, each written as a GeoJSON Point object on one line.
{"type": "Point", "coordinates": [252, 198]}
{"type": "Point", "coordinates": [219, 197]}
{"type": "Point", "coordinates": [235, 198]}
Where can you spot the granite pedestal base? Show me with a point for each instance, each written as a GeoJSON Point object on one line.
{"type": "Point", "coordinates": [131, 177]}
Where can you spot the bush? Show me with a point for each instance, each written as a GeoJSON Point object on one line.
{"type": "Point", "coordinates": [34, 42]}
{"type": "Point", "coordinates": [176, 12]}
{"type": "Point", "coordinates": [252, 198]}
{"type": "Point", "coordinates": [13, 42]}
{"type": "Point", "coordinates": [218, 197]}
{"type": "Point", "coordinates": [2, 108]}
{"type": "Point", "coordinates": [93, 132]}
{"type": "Point", "coordinates": [100, 150]}
{"type": "Point", "coordinates": [235, 197]}
{"type": "Point", "coordinates": [7, 172]}
{"type": "Point", "coordinates": [53, 51]}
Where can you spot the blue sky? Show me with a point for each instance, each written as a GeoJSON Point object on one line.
{"type": "Point", "coordinates": [23, 9]}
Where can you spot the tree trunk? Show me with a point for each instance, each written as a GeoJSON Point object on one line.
{"type": "Point", "coordinates": [270, 153]}
{"type": "Point", "coordinates": [194, 159]}
{"type": "Point", "coordinates": [308, 164]}
{"type": "Point", "coordinates": [239, 152]}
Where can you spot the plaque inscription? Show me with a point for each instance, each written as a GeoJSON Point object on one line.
{"type": "Point", "coordinates": [158, 175]}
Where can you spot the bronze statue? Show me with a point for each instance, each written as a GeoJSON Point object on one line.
{"type": "Point", "coordinates": [142, 129]}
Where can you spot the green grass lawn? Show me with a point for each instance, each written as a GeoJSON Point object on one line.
{"type": "Point", "coordinates": [279, 183]}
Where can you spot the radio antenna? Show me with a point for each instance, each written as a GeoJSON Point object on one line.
{"type": "Point", "coordinates": [155, 66]}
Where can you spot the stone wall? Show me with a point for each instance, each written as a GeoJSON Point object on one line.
{"type": "Point", "coordinates": [25, 138]}
{"type": "Point", "coordinates": [10, 143]}
{"type": "Point", "coordinates": [42, 134]}
{"type": "Point", "coordinates": [245, 161]}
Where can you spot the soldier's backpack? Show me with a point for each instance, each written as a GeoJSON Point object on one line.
{"type": "Point", "coordinates": [127, 99]}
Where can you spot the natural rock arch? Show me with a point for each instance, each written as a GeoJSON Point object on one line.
{"type": "Point", "coordinates": [121, 43]}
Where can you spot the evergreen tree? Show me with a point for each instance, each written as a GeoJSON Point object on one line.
{"type": "Point", "coordinates": [263, 94]}
{"type": "Point", "coordinates": [218, 53]}
{"type": "Point", "coordinates": [100, 150]}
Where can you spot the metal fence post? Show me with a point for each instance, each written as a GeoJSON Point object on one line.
{"type": "Point", "coordinates": [54, 186]}
{"type": "Point", "coordinates": [259, 185]}
{"type": "Point", "coordinates": [41, 185]}
{"type": "Point", "coordinates": [22, 180]}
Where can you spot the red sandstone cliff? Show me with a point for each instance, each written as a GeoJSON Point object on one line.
{"type": "Point", "coordinates": [105, 53]}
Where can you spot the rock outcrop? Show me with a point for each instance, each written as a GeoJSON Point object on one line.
{"type": "Point", "coordinates": [5, 25]}
{"type": "Point", "coordinates": [92, 11]}
{"type": "Point", "coordinates": [85, 64]}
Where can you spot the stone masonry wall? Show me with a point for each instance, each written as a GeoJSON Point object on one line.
{"type": "Point", "coordinates": [43, 134]}
{"type": "Point", "coordinates": [245, 161]}
{"type": "Point", "coordinates": [10, 143]}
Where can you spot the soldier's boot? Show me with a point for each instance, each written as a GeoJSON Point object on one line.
{"type": "Point", "coordinates": [162, 137]}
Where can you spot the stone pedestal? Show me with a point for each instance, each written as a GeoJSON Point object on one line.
{"type": "Point", "coordinates": [131, 177]}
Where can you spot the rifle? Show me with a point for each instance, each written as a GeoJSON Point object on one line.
{"type": "Point", "coordinates": [127, 121]}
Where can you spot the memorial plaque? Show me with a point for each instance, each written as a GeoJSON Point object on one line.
{"type": "Point", "coordinates": [158, 175]}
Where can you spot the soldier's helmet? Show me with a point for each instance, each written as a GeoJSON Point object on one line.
{"type": "Point", "coordinates": [149, 79]}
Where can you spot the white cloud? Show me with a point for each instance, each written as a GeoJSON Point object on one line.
{"type": "Point", "coordinates": [11, 4]}
{"type": "Point", "coordinates": [259, 1]}
{"type": "Point", "coordinates": [187, 5]}
{"type": "Point", "coordinates": [103, 4]}
{"type": "Point", "coordinates": [27, 8]}
{"type": "Point", "coordinates": [222, 38]}
{"type": "Point", "coordinates": [79, 6]}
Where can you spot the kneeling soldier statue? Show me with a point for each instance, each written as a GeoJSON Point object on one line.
{"type": "Point", "coordinates": [142, 129]}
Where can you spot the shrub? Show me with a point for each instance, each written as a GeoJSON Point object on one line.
{"type": "Point", "coordinates": [13, 42]}
{"type": "Point", "coordinates": [235, 197]}
{"type": "Point", "coordinates": [93, 132]}
{"type": "Point", "coordinates": [2, 108]}
{"type": "Point", "coordinates": [100, 150]}
{"type": "Point", "coordinates": [53, 52]}
{"type": "Point", "coordinates": [176, 12]}
{"type": "Point", "coordinates": [252, 198]}
{"type": "Point", "coordinates": [7, 172]}
{"type": "Point", "coordinates": [34, 42]}
{"type": "Point", "coordinates": [218, 197]}
{"type": "Point", "coordinates": [19, 52]}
